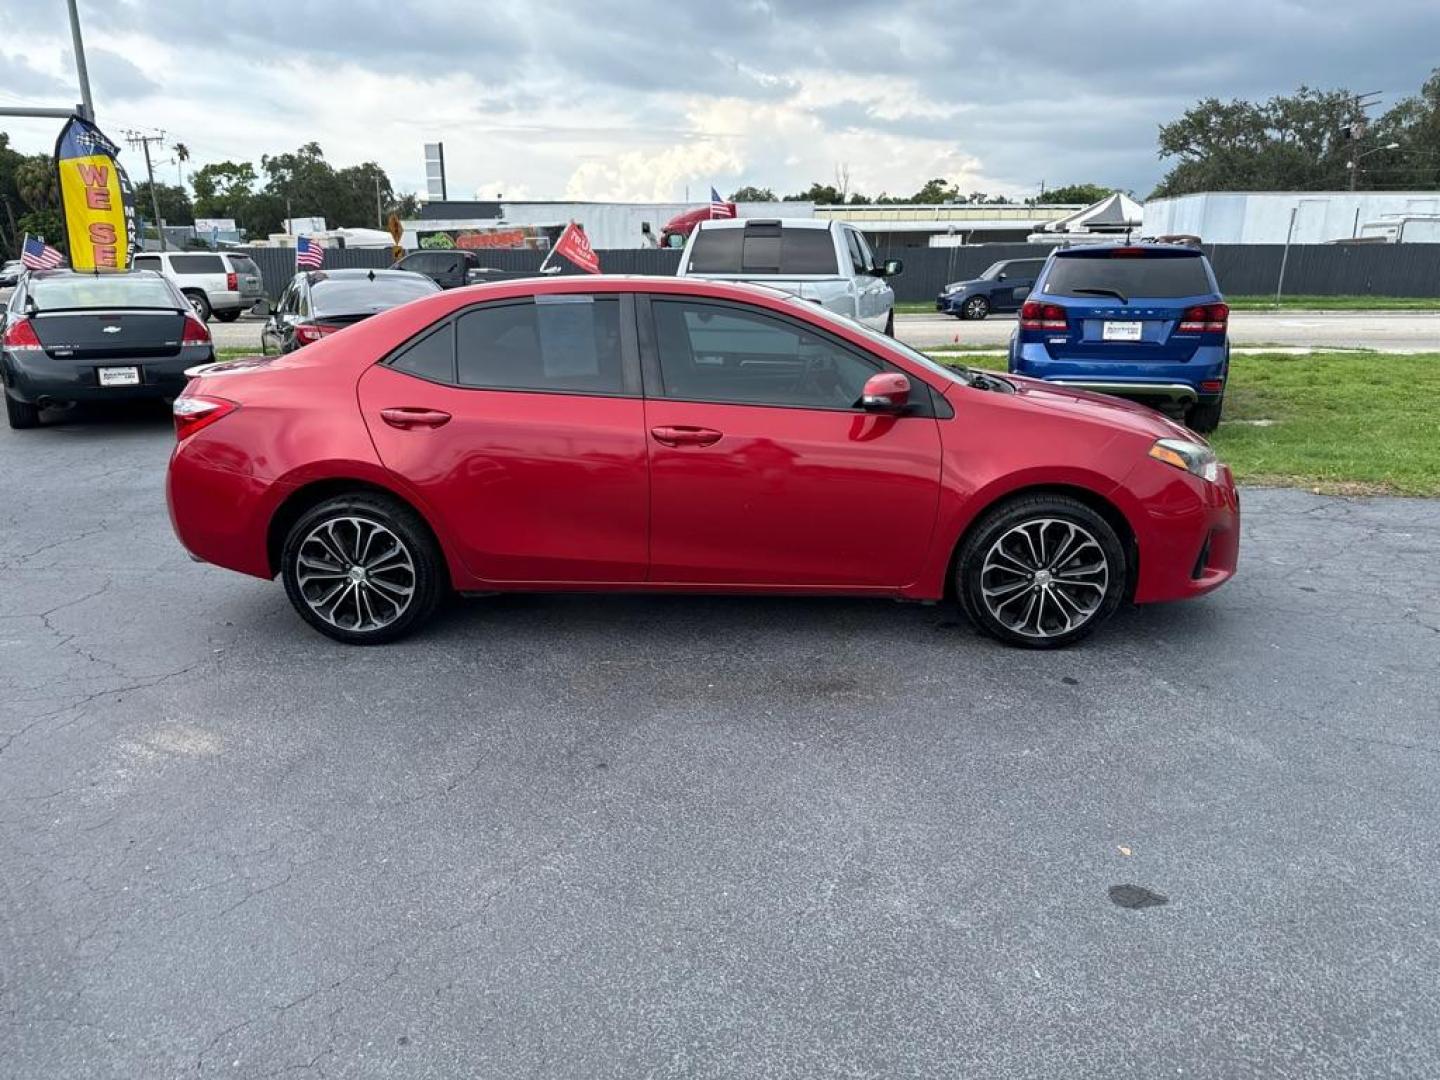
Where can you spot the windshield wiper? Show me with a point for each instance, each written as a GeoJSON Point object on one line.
{"type": "Point", "coordinates": [1104, 292]}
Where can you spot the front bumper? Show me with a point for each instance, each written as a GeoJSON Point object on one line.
{"type": "Point", "coordinates": [949, 303]}
{"type": "Point", "coordinates": [1187, 532]}
{"type": "Point", "coordinates": [33, 376]}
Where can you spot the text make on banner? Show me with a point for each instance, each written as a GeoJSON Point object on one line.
{"type": "Point", "coordinates": [96, 198]}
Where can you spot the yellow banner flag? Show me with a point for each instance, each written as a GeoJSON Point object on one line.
{"type": "Point", "coordinates": [96, 197]}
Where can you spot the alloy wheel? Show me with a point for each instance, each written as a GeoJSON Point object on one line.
{"type": "Point", "coordinates": [976, 307]}
{"type": "Point", "coordinates": [1044, 577]}
{"type": "Point", "coordinates": [355, 574]}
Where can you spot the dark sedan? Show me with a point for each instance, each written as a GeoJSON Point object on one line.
{"type": "Point", "coordinates": [68, 337]}
{"type": "Point", "coordinates": [319, 302]}
{"type": "Point", "coordinates": [1002, 287]}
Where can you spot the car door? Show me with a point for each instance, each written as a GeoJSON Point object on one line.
{"type": "Point", "coordinates": [874, 297]}
{"type": "Point", "coordinates": [520, 424]}
{"type": "Point", "coordinates": [1019, 279]}
{"type": "Point", "coordinates": [277, 333]}
{"type": "Point", "coordinates": [764, 470]}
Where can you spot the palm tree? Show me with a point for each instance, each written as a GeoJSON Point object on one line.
{"type": "Point", "coordinates": [182, 155]}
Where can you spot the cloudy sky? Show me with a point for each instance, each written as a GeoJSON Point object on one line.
{"type": "Point", "coordinates": [635, 99]}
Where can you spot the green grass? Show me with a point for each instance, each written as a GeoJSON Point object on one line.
{"type": "Point", "coordinates": [1267, 303]}
{"type": "Point", "coordinates": [1347, 423]}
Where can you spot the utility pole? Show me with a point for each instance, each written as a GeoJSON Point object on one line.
{"type": "Point", "coordinates": [134, 138]}
{"type": "Point", "coordinates": [80, 68]}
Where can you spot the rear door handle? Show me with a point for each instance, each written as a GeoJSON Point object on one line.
{"type": "Point", "coordinates": [682, 435]}
{"type": "Point", "coordinates": [405, 418]}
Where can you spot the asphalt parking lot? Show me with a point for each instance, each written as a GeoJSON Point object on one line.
{"type": "Point", "coordinates": [626, 836]}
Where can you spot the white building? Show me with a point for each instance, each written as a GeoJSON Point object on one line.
{"type": "Point", "coordinates": [1320, 217]}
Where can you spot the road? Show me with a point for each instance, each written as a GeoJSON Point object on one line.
{"type": "Point", "coordinates": [570, 836]}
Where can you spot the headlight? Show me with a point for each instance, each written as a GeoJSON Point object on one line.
{"type": "Point", "coordinates": [954, 286]}
{"type": "Point", "coordinates": [1192, 457]}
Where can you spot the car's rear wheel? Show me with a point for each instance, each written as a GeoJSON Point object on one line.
{"type": "Point", "coordinates": [1205, 417]}
{"type": "Point", "coordinates": [1041, 571]}
{"type": "Point", "coordinates": [362, 569]}
{"type": "Point", "coordinates": [228, 316]}
{"type": "Point", "coordinates": [977, 307]}
{"type": "Point", "coordinates": [200, 304]}
{"type": "Point", "coordinates": [21, 414]}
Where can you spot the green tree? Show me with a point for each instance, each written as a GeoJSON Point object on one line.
{"type": "Point", "coordinates": [937, 191]}
{"type": "Point", "coordinates": [825, 194]}
{"type": "Point", "coordinates": [175, 207]}
{"type": "Point", "coordinates": [749, 193]}
{"type": "Point", "coordinates": [1075, 193]}
{"type": "Point", "coordinates": [1414, 124]}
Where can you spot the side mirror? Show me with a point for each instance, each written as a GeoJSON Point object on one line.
{"type": "Point", "coordinates": [1001, 276]}
{"type": "Point", "coordinates": [261, 308]}
{"type": "Point", "coordinates": [888, 391]}
{"type": "Point", "coordinates": [892, 268]}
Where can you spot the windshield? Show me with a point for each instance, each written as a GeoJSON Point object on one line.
{"type": "Point", "coordinates": [1154, 277]}
{"type": "Point", "coordinates": [360, 296]}
{"type": "Point", "coordinates": [991, 271]}
{"type": "Point", "coordinates": [102, 291]}
{"type": "Point", "coordinates": [958, 374]}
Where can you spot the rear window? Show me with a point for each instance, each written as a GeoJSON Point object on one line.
{"type": "Point", "coordinates": [361, 296]}
{"type": "Point", "coordinates": [243, 264]}
{"type": "Point", "coordinates": [102, 291]}
{"type": "Point", "coordinates": [763, 249]}
{"type": "Point", "coordinates": [197, 264]}
{"type": "Point", "coordinates": [1153, 276]}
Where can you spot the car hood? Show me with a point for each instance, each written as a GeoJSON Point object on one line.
{"type": "Point", "coordinates": [1084, 404]}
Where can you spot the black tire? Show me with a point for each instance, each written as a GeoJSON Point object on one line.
{"type": "Point", "coordinates": [228, 316]}
{"type": "Point", "coordinates": [351, 516]}
{"type": "Point", "coordinates": [1060, 521]}
{"type": "Point", "coordinates": [21, 414]}
{"type": "Point", "coordinates": [890, 324]}
{"type": "Point", "coordinates": [1205, 417]}
{"type": "Point", "coordinates": [199, 303]}
{"type": "Point", "coordinates": [976, 308]}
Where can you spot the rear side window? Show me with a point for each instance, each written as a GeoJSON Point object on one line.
{"type": "Point", "coordinates": [432, 357]}
{"type": "Point", "coordinates": [564, 344]}
{"type": "Point", "coordinates": [197, 264]}
{"type": "Point", "coordinates": [1159, 276]}
{"type": "Point", "coordinates": [763, 248]}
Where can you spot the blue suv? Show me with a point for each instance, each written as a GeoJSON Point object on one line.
{"type": "Point", "coordinates": [1143, 321]}
{"type": "Point", "coordinates": [1002, 287]}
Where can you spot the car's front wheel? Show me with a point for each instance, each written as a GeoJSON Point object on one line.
{"type": "Point", "coordinates": [977, 307]}
{"type": "Point", "coordinates": [1041, 571]}
{"type": "Point", "coordinates": [362, 569]}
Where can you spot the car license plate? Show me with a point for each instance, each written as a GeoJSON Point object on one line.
{"type": "Point", "coordinates": [119, 376]}
{"type": "Point", "coordinates": [1122, 331]}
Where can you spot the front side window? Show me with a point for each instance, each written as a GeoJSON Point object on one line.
{"type": "Point", "coordinates": [713, 353]}
{"type": "Point", "coordinates": [563, 344]}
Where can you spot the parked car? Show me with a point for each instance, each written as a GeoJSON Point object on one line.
{"type": "Point", "coordinates": [828, 262]}
{"type": "Point", "coordinates": [1002, 287]}
{"type": "Point", "coordinates": [674, 435]}
{"type": "Point", "coordinates": [10, 273]}
{"type": "Point", "coordinates": [317, 303]}
{"type": "Point", "coordinates": [68, 337]}
{"type": "Point", "coordinates": [223, 283]}
{"type": "Point", "coordinates": [1143, 321]}
{"type": "Point", "coordinates": [449, 268]}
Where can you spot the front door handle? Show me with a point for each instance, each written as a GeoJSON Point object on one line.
{"type": "Point", "coordinates": [406, 418]}
{"type": "Point", "coordinates": [683, 435]}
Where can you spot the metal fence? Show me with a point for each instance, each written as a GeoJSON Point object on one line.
{"type": "Point", "coordinates": [1242, 269]}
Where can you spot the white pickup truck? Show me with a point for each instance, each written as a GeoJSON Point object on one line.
{"type": "Point", "coordinates": [828, 262]}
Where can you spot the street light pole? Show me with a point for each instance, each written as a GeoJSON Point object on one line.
{"type": "Point", "coordinates": [1354, 163]}
{"type": "Point", "coordinates": [80, 69]}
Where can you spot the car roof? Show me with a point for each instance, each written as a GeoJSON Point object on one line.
{"type": "Point", "coordinates": [787, 223]}
{"type": "Point", "coordinates": [1137, 245]}
{"type": "Point", "coordinates": [353, 273]}
{"type": "Point", "coordinates": [66, 272]}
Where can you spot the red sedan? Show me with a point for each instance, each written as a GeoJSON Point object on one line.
{"type": "Point", "coordinates": [611, 433]}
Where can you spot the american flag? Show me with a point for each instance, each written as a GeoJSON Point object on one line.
{"type": "Point", "coordinates": [309, 253]}
{"type": "Point", "coordinates": [719, 207]}
{"type": "Point", "coordinates": [38, 255]}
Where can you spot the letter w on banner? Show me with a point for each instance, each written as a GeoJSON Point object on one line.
{"type": "Point", "coordinates": [96, 198]}
{"type": "Point", "coordinates": [575, 246]}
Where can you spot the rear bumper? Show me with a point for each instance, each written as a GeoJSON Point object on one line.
{"type": "Point", "coordinates": [1156, 382]}
{"type": "Point", "coordinates": [219, 516]}
{"type": "Point", "coordinates": [231, 301]}
{"type": "Point", "coordinates": [33, 376]}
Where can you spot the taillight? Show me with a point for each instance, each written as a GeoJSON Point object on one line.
{"type": "Point", "coordinates": [193, 413]}
{"type": "Point", "coordinates": [232, 283]}
{"type": "Point", "coordinates": [1205, 319]}
{"type": "Point", "coordinates": [1035, 315]}
{"type": "Point", "coordinates": [195, 332]}
{"type": "Point", "coordinates": [309, 333]}
{"type": "Point", "coordinates": [21, 335]}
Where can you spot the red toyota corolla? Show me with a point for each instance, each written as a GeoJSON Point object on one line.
{"type": "Point", "coordinates": [619, 433]}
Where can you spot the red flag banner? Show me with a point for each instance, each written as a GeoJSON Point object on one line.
{"type": "Point", "coordinates": [575, 246]}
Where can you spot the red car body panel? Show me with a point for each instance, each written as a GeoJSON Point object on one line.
{"type": "Point", "coordinates": [543, 490]}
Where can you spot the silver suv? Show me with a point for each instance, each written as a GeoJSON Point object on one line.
{"type": "Point", "coordinates": [220, 283]}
